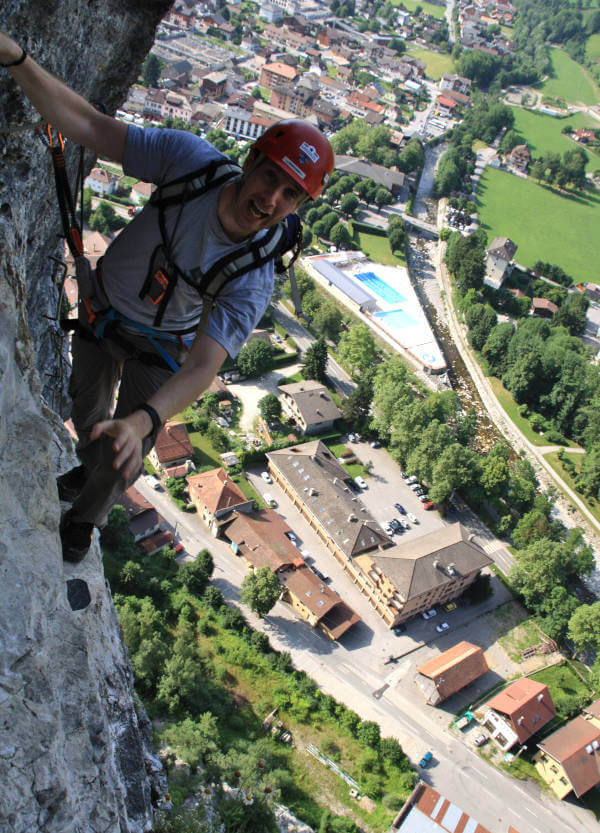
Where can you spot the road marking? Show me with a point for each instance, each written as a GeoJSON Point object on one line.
{"type": "Point", "coordinates": [530, 811]}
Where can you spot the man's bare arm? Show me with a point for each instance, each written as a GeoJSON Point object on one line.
{"type": "Point", "coordinates": [183, 388]}
{"type": "Point", "coordinates": [63, 108]}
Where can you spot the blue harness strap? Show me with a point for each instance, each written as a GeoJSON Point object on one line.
{"type": "Point", "coordinates": [111, 316]}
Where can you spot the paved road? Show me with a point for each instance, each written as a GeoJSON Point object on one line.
{"type": "Point", "coordinates": [353, 672]}
{"type": "Point", "coordinates": [303, 338]}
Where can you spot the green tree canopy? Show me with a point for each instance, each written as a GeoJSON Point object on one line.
{"type": "Point", "coordinates": [260, 590]}
{"type": "Point", "coordinates": [270, 407]}
{"type": "Point", "coordinates": [315, 361]}
{"type": "Point", "coordinates": [584, 627]}
{"type": "Point", "coordinates": [255, 358]}
{"type": "Point", "coordinates": [357, 349]}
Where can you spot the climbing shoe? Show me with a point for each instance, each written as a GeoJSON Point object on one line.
{"type": "Point", "coordinates": [71, 484]}
{"type": "Point", "coordinates": [76, 537]}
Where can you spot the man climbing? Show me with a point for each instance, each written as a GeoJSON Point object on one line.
{"type": "Point", "coordinates": [146, 298]}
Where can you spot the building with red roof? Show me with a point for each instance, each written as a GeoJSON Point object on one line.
{"type": "Point", "coordinates": [515, 714]}
{"type": "Point", "coordinates": [569, 759]}
{"type": "Point", "coordinates": [216, 496]}
{"type": "Point", "coordinates": [428, 811]}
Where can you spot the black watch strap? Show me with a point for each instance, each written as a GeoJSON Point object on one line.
{"type": "Point", "coordinates": [17, 61]}
{"type": "Point", "coordinates": [153, 414]}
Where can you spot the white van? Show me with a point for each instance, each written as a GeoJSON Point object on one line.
{"type": "Point", "coordinates": [152, 481]}
{"type": "Point", "coordinates": [269, 499]}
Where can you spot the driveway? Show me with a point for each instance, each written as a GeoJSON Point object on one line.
{"type": "Point", "coordinates": [252, 391]}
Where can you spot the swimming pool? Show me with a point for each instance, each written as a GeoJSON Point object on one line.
{"type": "Point", "coordinates": [380, 287]}
{"type": "Point", "coordinates": [397, 319]}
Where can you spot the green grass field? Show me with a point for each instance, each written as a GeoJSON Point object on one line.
{"type": "Point", "coordinates": [429, 8]}
{"type": "Point", "coordinates": [562, 472]}
{"type": "Point", "coordinates": [570, 81]}
{"type": "Point", "coordinates": [436, 64]}
{"type": "Point", "coordinates": [592, 49]}
{"type": "Point", "coordinates": [561, 229]}
{"type": "Point", "coordinates": [377, 249]}
{"type": "Point", "coordinates": [543, 133]}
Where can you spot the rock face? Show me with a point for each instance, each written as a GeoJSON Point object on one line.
{"type": "Point", "coordinates": [75, 746]}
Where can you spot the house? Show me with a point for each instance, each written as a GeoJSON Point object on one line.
{"type": "Point", "coordinates": [428, 811]}
{"type": "Point", "coordinates": [499, 261]}
{"type": "Point", "coordinates": [277, 73]}
{"type": "Point", "coordinates": [310, 405]}
{"type": "Point", "coordinates": [156, 542]}
{"type": "Point", "coordinates": [141, 192]}
{"type": "Point", "coordinates": [451, 671]}
{"type": "Point", "coordinates": [515, 714]}
{"type": "Point", "coordinates": [584, 135]}
{"type": "Point", "coordinates": [543, 308]}
{"type": "Point", "coordinates": [214, 85]}
{"type": "Point", "coordinates": [216, 496]}
{"type": "Point", "coordinates": [569, 759]}
{"type": "Point", "coordinates": [260, 538]}
{"type": "Point", "coordinates": [446, 106]}
{"type": "Point", "coordinates": [243, 124]}
{"type": "Point", "coordinates": [460, 98]}
{"type": "Point", "coordinates": [455, 82]}
{"type": "Point", "coordinates": [392, 180]}
{"type": "Point", "coordinates": [173, 450]}
{"type": "Point", "coordinates": [101, 181]}
{"type": "Point", "coordinates": [95, 245]}
{"type": "Point", "coordinates": [520, 158]}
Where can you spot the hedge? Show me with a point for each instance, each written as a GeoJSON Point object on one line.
{"type": "Point", "coordinates": [367, 229]}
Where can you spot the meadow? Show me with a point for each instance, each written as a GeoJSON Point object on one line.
{"type": "Point", "coordinates": [561, 229]}
{"type": "Point", "coordinates": [544, 133]}
{"type": "Point", "coordinates": [592, 49]}
{"type": "Point", "coordinates": [436, 63]}
{"type": "Point", "coordinates": [569, 80]}
{"type": "Point", "coordinates": [429, 8]}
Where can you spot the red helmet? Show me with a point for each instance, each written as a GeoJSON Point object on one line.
{"type": "Point", "coordinates": [302, 151]}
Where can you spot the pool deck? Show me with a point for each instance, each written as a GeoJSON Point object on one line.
{"type": "Point", "coordinates": [394, 311]}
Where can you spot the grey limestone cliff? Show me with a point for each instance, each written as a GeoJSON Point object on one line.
{"type": "Point", "coordinates": [75, 746]}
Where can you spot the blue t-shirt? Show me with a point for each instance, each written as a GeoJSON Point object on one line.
{"type": "Point", "coordinates": [159, 156]}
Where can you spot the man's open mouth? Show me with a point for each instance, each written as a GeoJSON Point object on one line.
{"type": "Point", "coordinates": [257, 212]}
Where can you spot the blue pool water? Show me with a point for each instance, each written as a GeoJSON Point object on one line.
{"type": "Point", "coordinates": [397, 319]}
{"type": "Point", "coordinates": [380, 287]}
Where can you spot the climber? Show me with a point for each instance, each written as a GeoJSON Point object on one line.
{"type": "Point", "coordinates": [179, 238]}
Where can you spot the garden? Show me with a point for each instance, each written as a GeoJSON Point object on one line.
{"type": "Point", "coordinates": [544, 133]}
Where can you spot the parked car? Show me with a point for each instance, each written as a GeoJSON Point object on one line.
{"type": "Point", "coordinates": [400, 508]}
{"type": "Point", "coordinates": [481, 739]}
{"type": "Point", "coordinates": [412, 518]}
{"type": "Point", "coordinates": [269, 500]}
{"type": "Point", "coordinates": [178, 548]}
{"type": "Point", "coordinates": [360, 482]}
{"type": "Point", "coordinates": [450, 607]}
{"type": "Point", "coordinates": [403, 475]}
{"type": "Point", "coordinates": [424, 498]}
{"type": "Point", "coordinates": [411, 479]}
{"type": "Point", "coordinates": [429, 505]}
{"type": "Point", "coordinates": [266, 476]}
{"type": "Point", "coordinates": [153, 482]}
{"type": "Point", "coordinates": [292, 538]}
{"type": "Point", "coordinates": [405, 524]}
{"type": "Point", "coordinates": [398, 629]}
{"type": "Point", "coordinates": [387, 528]}
{"type": "Point", "coordinates": [395, 524]}
{"type": "Point", "coordinates": [428, 614]}
{"type": "Point", "coordinates": [351, 438]}
{"type": "Point", "coordinates": [375, 444]}
{"type": "Point", "coordinates": [426, 760]}
{"type": "Point", "coordinates": [444, 626]}
{"type": "Point", "coordinates": [415, 486]}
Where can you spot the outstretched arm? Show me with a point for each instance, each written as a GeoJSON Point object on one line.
{"type": "Point", "coordinates": [183, 388]}
{"type": "Point", "coordinates": [63, 108]}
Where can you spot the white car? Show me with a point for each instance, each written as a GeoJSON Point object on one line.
{"type": "Point", "coordinates": [428, 614]}
{"type": "Point", "coordinates": [411, 479]}
{"type": "Point", "coordinates": [415, 487]}
{"type": "Point", "coordinates": [443, 627]}
{"type": "Point", "coordinates": [269, 499]}
{"type": "Point", "coordinates": [292, 538]}
{"type": "Point", "coordinates": [266, 476]}
{"type": "Point", "coordinates": [412, 518]}
{"type": "Point", "coordinates": [360, 482]}
{"type": "Point", "coordinates": [387, 529]}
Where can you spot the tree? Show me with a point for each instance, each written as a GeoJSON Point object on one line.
{"type": "Point", "coordinates": [356, 406]}
{"type": "Point", "coordinates": [455, 468]}
{"type": "Point", "coordinates": [366, 190]}
{"type": "Point", "coordinates": [357, 349]}
{"type": "Point", "coordinates": [383, 197]}
{"type": "Point", "coordinates": [194, 740]}
{"type": "Point", "coordinates": [151, 70]}
{"type": "Point", "coordinates": [584, 627]}
{"type": "Point", "coordinates": [255, 358]}
{"type": "Point", "coordinates": [327, 319]}
{"type": "Point", "coordinates": [260, 590]}
{"type": "Point", "coordinates": [195, 575]}
{"type": "Point", "coordinates": [396, 237]}
{"type": "Point", "coordinates": [269, 407]}
{"type": "Point", "coordinates": [349, 204]}
{"type": "Point", "coordinates": [315, 361]}
{"type": "Point", "coordinates": [494, 475]}
{"type": "Point", "coordinates": [339, 235]}
{"type": "Point", "coordinates": [104, 219]}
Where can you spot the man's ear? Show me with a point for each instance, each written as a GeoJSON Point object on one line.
{"type": "Point", "coordinates": [250, 159]}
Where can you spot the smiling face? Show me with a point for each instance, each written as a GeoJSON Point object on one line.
{"type": "Point", "coordinates": [259, 200]}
